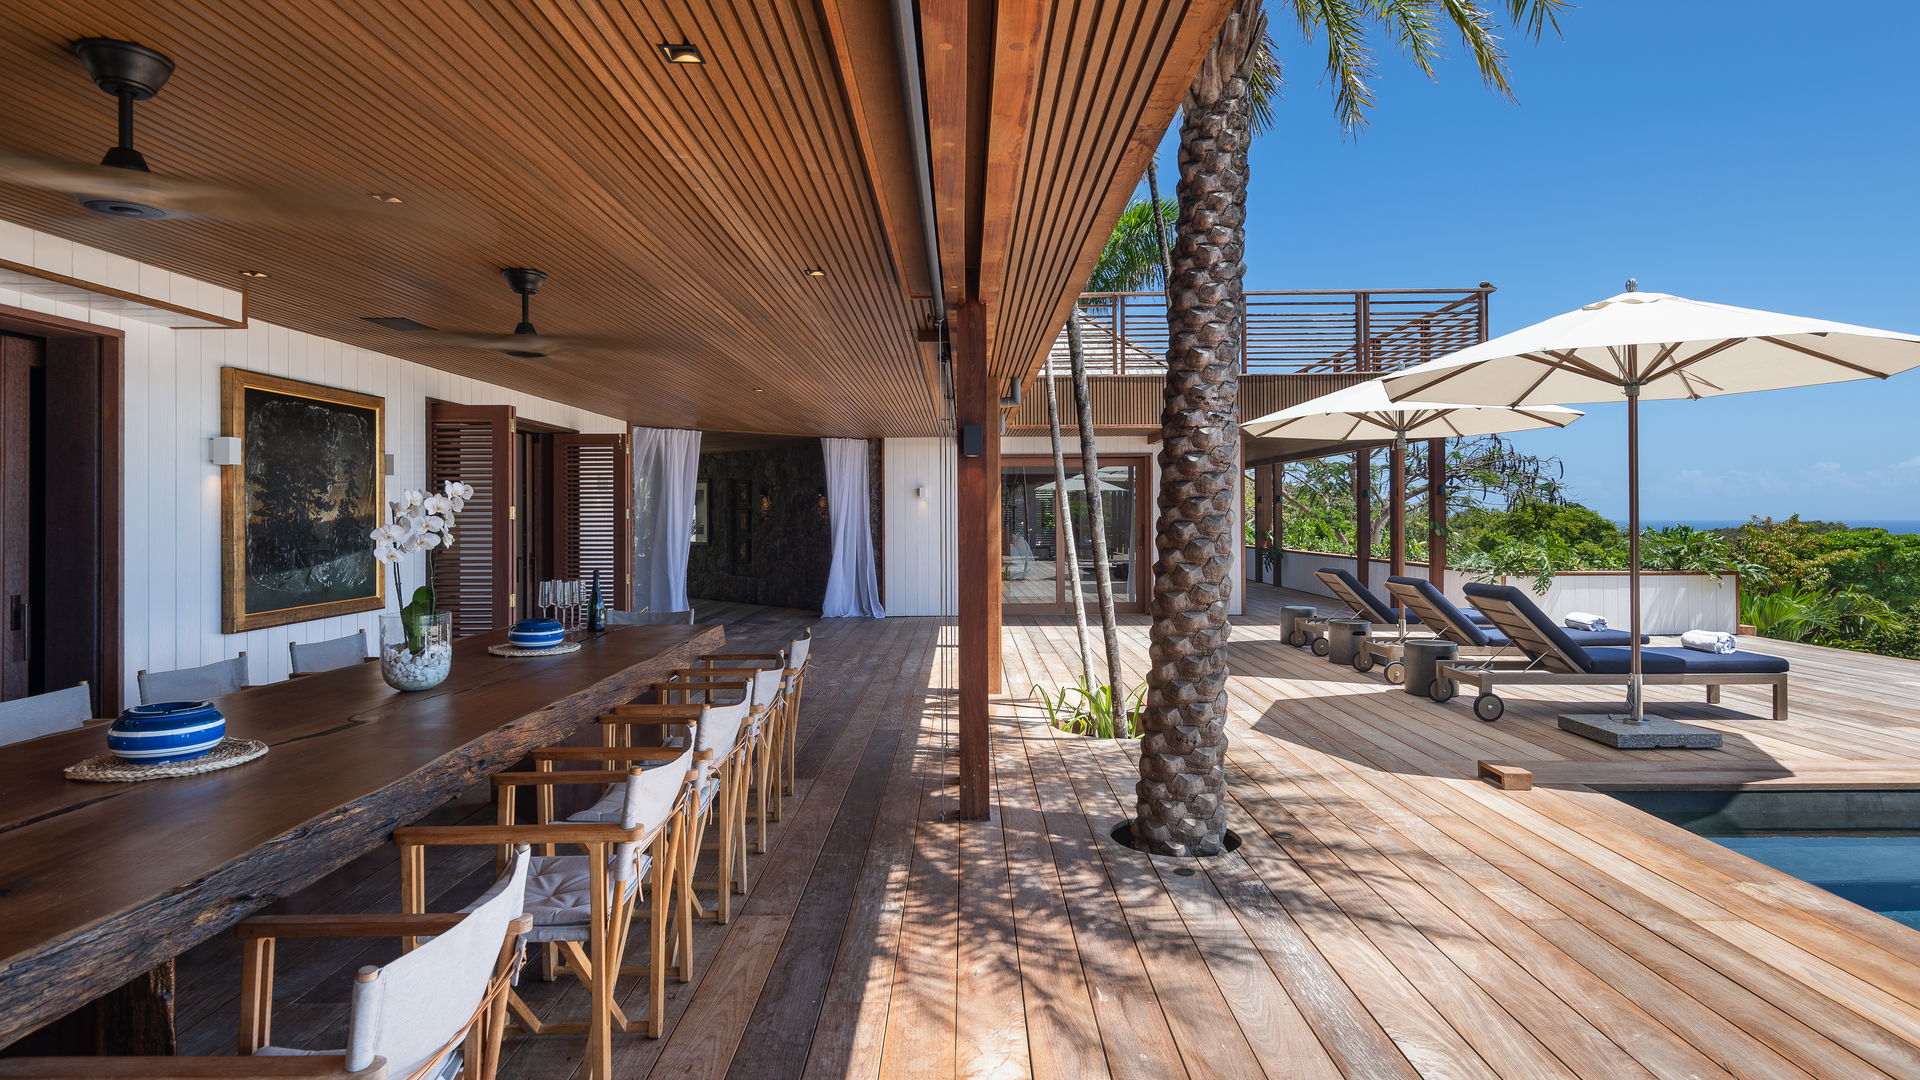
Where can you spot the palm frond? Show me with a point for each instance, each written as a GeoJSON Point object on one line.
{"type": "Point", "coordinates": [1414, 29]}
{"type": "Point", "coordinates": [1536, 17]}
{"type": "Point", "coordinates": [1264, 83]}
{"type": "Point", "coordinates": [1475, 25]}
{"type": "Point", "coordinates": [1131, 259]}
{"type": "Point", "coordinates": [1349, 64]}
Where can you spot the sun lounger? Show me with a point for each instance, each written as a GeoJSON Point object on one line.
{"type": "Point", "coordinates": [1360, 600]}
{"type": "Point", "coordinates": [1556, 659]}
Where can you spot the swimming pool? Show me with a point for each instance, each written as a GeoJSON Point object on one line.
{"type": "Point", "coordinates": [1863, 846]}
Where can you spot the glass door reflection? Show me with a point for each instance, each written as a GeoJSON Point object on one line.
{"type": "Point", "coordinates": [1119, 509]}
{"type": "Point", "coordinates": [1028, 542]}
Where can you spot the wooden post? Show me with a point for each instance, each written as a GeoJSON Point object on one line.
{"type": "Point", "coordinates": [976, 403]}
{"type": "Point", "coordinates": [1262, 518]}
{"type": "Point", "coordinates": [1437, 513]}
{"type": "Point", "coordinates": [1397, 509]}
{"type": "Point", "coordinates": [1363, 515]}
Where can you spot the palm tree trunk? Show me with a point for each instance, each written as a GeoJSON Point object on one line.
{"type": "Point", "coordinates": [1062, 509]}
{"type": "Point", "coordinates": [1181, 807]}
{"type": "Point", "coordinates": [1159, 230]}
{"type": "Point", "coordinates": [1096, 519]}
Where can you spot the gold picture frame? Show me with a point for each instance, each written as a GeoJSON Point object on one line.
{"type": "Point", "coordinates": [295, 514]}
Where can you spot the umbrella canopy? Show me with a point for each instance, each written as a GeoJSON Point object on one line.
{"type": "Point", "coordinates": [1655, 345]}
{"type": "Point", "coordinates": [1364, 411]}
{"type": "Point", "coordinates": [1078, 482]}
{"type": "Point", "coordinates": [1672, 347]}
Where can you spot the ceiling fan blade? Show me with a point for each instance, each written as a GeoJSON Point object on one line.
{"type": "Point", "coordinates": [544, 344]}
{"type": "Point", "coordinates": [188, 198]}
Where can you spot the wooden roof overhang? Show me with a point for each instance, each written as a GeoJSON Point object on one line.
{"type": "Point", "coordinates": [678, 207]}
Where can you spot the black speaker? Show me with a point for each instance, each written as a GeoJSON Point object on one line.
{"type": "Point", "coordinates": [973, 440]}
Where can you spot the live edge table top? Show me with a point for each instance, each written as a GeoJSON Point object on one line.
{"type": "Point", "coordinates": [101, 882]}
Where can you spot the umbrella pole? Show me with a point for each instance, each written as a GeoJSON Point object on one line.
{"type": "Point", "coordinates": [1397, 516]}
{"type": "Point", "coordinates": [1636, 710]}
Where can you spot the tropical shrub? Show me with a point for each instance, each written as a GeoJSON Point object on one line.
{"type": "Point", "coordinates": [1089, 710]}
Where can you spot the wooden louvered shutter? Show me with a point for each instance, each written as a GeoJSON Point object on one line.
{"type": "Point", "coordinates": [593, 526]}
{"type": "Point", "coordinates": [474, 579]}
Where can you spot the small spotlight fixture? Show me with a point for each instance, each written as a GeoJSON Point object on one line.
{"type": "Point", "coordinates": [253, 273]}
{"type": "Point", "coordinates": [759, 390]}
{"type": "Point", "coordinates": [684, 53]}
{"type": "Point", "coordinates": [816, 272]}
{"type": "Point", "coordinates": [385, 197]}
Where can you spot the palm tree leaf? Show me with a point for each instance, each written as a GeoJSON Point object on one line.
{"type": "Point", "coordinates": [1349, 64]}
{"type": "Point", "coordinates": [1264, 83]}
{"type": "Point", "coordinates": [1131, 259]}
{"type": "Point", "coordinates": [1414, 28]}
{"type": "Point", "coordinates": [1475, 25]}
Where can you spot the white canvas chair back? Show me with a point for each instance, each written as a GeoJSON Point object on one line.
{"type": "Point", "coordinates": [414, 1011]}
{"type": "Point", "coordinates": [316, 656]}
{"type": "Point", "coordinates": [797, 652]}
{"type": "Point", "coordinates": [43, 714]}
{"type": "Point", "coordinates": [649, 803]}
{"type": "Point", "coordinates": [718, 730]}
{"type": "Point", "coordinates": [194, 684]}
{"type": "Point", "coordinates": [766, 686]}
{"type": "Point", "coordinates": [650, 618]}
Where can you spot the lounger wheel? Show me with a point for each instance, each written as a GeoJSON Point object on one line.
{"type": "Point", "coordinates": [1489, 707]}
{"type": "Point", "coordinates": [1442, 689]}
{"type": "Point", "coordinates": [1321, 646]}
{"type": "Point", "coordinates": [1395, 673]}
{"type": "Point", "coordinates": [1363, 661]}
{"type": "Point", "coordinates": [1297, 639]}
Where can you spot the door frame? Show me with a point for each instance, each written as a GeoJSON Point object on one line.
{"type": "Point", "coordinates": [1142, 465]}
{"type": "Point", "coordinates": [109, 346]}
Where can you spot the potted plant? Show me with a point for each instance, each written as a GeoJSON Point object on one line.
{"type": "Point", "coordinates": [416, 645]}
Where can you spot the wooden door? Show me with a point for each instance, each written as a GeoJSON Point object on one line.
{"type": "Point", "coordinates": [592, 493]}
{"type": "Point", "coordinates": [474, 579]}
{"type": "Point", "coordinates": [19, 356]}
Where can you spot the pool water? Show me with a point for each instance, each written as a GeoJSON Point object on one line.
{"type": "Point", "coordinates": [1862, 846]}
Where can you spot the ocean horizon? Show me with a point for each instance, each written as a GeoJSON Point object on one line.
{"type": "Point", "coordinates": [1892, 525]}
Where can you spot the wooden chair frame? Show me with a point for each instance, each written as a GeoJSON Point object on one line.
{"type": "Point", "coordinates": [599, 965]}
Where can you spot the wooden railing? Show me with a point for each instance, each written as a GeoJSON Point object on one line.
{"type": "Point", "coordinates": [1290, 332]}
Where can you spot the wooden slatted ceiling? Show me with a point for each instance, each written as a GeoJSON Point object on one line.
{"type": "Point", "coordinates": [675, 206]}
{"type": "Point", "coordinates": [678, 206]}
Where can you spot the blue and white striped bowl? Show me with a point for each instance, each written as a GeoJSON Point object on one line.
{"type": "Point", "coordinates": [166, 731]}
{"type": "Point", "coordinates": [536, 634]}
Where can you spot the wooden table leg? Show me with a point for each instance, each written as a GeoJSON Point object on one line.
{"type": "Point", "coordinates": [135, 1019]}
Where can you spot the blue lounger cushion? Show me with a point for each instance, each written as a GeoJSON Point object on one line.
{"type": "Point", "coordinates": [1381, 613]}
{"type": "Point", "coordinates": [1586, 639]}
{"type": "Point", "coordinates": [1477, 628]}
{"type": "Point", "coordinates": [1616, 660]}
{"type": "Point", "coordinates": [1665, 661]}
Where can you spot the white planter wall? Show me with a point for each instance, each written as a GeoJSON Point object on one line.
{"type": "Point", "coordinates": [171, 501]}
{"type": "Point", "coordinates": [1670, 603]}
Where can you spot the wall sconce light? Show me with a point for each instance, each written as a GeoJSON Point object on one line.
{"type": "Point", "coordinates": [387, 463]}
{"type": "Point", "coordinates": [223, 450]}
{"type": "Point", "coordinates": [821, 505]}
{"type": "Point", "coordinates": [919, 491]}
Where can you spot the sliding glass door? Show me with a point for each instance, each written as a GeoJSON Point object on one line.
{"type": "Point", "coordinates": [1033, 571]}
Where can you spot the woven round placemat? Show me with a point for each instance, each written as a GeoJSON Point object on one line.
{"type": "Point", "coordinates": [551, 650]}
{"type": "Point", "coordinates": [109, 769]}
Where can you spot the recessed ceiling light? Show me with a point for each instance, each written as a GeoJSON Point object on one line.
{"type": "Point", "coordinates": [758, 390]}
{"type": "Point", "coordinates": [683, 53]}
{"type": "Point", "coordinates": [253, 273]}
{"type": "Point", "coordinates": [816, 272]}
{"type": "Point", "coordinates": [381, 196]}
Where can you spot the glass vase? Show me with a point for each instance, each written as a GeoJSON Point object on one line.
{"type": "Point", "coordinates": [416, 652]}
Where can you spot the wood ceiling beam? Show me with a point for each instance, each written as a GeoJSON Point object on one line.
{"type": "Point", "coordinates": [1019, 33]}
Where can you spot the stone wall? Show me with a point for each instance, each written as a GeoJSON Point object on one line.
{"type": "Point", "coordinates": [768, 539]}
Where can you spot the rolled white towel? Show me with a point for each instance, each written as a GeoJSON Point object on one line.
{"type": "Point", "coordinates": [1585, 620]}
{"type": "Point", "coordinates": [1713, 641]}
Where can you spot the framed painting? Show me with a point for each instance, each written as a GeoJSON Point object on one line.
{"type": "Point", "coordinates": [296, 512]}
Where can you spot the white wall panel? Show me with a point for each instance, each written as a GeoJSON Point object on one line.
{"type": "Point", "coordinates": [920, 530]}
{"type": "Point", "coordinates": [171, 510]}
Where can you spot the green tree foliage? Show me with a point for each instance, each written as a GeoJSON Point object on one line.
{"type": "Point", "coordinates": [1825, 583]}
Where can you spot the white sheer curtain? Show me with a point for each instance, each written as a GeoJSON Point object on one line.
{"type": "Point", "coordinates": [851, 587]}
{"type": "Point", "coordinates": [666, 462]}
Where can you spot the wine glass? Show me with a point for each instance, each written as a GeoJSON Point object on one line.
{"type": "Point", "coordinates": [546, 599]}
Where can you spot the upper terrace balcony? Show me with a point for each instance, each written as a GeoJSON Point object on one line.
{"type": "Point", "coordinates": [1290, 332]}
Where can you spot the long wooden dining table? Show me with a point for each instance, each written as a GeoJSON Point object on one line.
{"type": "Point", "coordinates": [103, 883]}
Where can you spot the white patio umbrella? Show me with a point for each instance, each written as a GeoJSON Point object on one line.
{"type": "Point", "coordinates": [1655, 345]}
{"type": "Point", "coordinates": [1364, 412]}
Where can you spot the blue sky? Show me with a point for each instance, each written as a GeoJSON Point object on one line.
{"type": "Point", "coordinates": [1757, 153]}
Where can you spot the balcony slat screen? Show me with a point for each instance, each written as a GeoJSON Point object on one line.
{"type": "Point", "coordinates": [592, 490]}
{"type": "Point", "coordinates": [474, 579]}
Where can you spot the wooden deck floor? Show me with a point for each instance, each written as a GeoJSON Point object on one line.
{"type": "Point", "coordinates": [1388, 915]}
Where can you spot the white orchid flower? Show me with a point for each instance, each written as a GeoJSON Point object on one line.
{"type": "Point", "coordinates": [459, 491]}
{"type": "Point", "coordinates": [433, 524]}
{"type": "Point", "coordinates": [458, 504]}
{"type": "Point", "coordinates": [413, 497]}
{"type": "Point", "coordinates": [387, 554]}
{"type": "Point", "coordinates": [426, 541]}
{"type": "Point", "coordinates": [437, 504]}
{"type": "Point", "coordinates": [391, 534]}
{"type": "Point", "coordinates": [446, 540]}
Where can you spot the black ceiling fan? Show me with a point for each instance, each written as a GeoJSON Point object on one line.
{"type": "Point", "coordinates": [525, 341]}
{"type": "Point", "coordinates": [123, 185]}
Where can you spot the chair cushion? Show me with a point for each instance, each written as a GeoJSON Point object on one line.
{"type": "Point", "coordinates": [559, 892]}
{"type": "Point", "coordinates": [1530, 611]}
{"type": "Point", "coordinates": [1666, 661]}
{"type": "Point", "coordinates": [1586, 639]}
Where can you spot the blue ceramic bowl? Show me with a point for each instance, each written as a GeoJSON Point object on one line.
{"type": "Point", "coordinates": [166, 731]}
{"type": "Point", "coordinates": [536, 634]}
